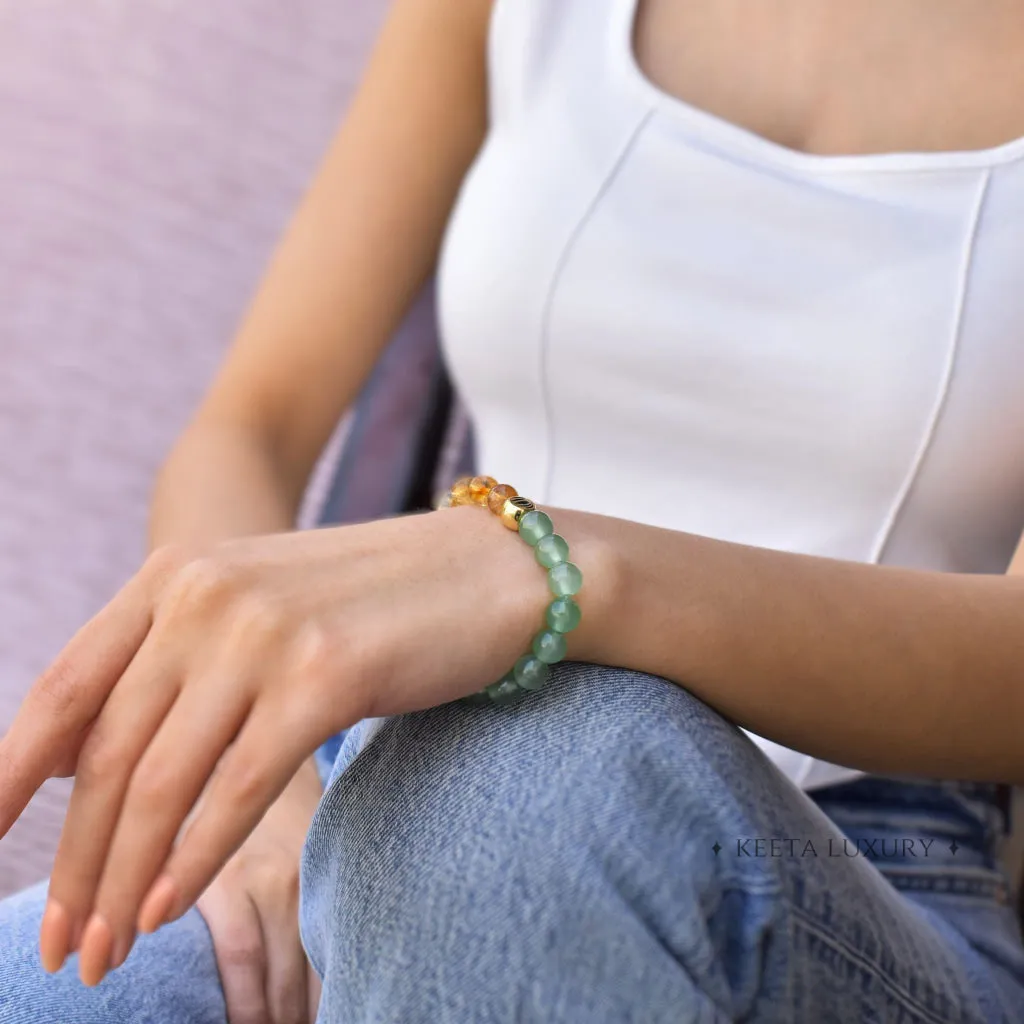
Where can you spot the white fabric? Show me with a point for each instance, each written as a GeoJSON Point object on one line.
{"type": "Point", "coordinates": [658, 315]}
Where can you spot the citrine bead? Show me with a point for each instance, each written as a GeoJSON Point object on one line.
{"type": "Point", "coordinates": [563, 614]}
{"type": "Point", "coordinates": [534, 525]}
{"type": "Point", "coordinates": [530, 672]}
{"type": "Point", "coordinates": [549, 646]}
{"type": "Point", "coordinates": [565, 579]}
{"type": "Point", "coordinates": [498, 495]}
{"type": "Point", "coordinates": [478, 488]}
{"type": "Point", "coordinates": [460, 494]}
{"type": "Point", "coordinates": [504, 691]}
{"type": "Point", "coordinates": [551, 550]}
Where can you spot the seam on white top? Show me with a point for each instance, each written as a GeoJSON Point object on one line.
{"type": "Point", "coordinates": [563, 259]}
{"type": "Point", "coordinates": [966, 263]}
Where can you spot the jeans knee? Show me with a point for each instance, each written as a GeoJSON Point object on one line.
{"type": "Point", "coordinates": [581, 819]}
{"type": "Point", "coordinates": [601, 754]}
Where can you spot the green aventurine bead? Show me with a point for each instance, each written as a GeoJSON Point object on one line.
{"type": "Point", "coordinates": [531, 673]}
{"type": "Point", "coordinates": [534, 525]}
{"type": "Point", "coordinates": [549, 646]}
{"type": "Point", "coordinates": [565, 579]}
{"type": "Point", "coordinates": [563, 614]}
{"type": "Point", "coordinates": [504, 691]}
{"type": "Point", "coordinates": [551, 550]}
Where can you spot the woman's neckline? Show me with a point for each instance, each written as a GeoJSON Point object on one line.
{"type": "Point", "coordinates": [734, 138]}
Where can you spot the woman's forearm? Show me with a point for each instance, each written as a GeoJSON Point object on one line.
{"type": "Point", "coordinates": [357, 251]}
{"type": "Point", "coordinates": [880, 668]}
{"type": "Point", "coordinates": [220, 481]}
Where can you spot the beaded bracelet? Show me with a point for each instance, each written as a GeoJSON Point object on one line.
{"type": "Point", "coordinates": [530, 672]}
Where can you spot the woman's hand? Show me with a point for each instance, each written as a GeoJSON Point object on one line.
{"type": "Point", "coordinates": [213, 674]}
{"type": "Point", "coordinates": [252, 911]}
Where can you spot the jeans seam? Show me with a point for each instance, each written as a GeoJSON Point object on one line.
{"type": "Point", "coordinates": [977, 884]}
{"type": "Point", "coordinates": [857, 958]}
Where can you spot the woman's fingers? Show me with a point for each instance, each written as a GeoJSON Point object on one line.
{"type": "Point", "coordinates": [265, 756]}
{"type": "Point", "coordinates": [122, 731]}
{"type": "Point", "coordinates": [314, 990]}
{"type": "Point", "coordinates": [287, 966]}
{"type": "Point", "coordinates": [165, 785]}
{"type": "Point", "coordinates": [68, 696]}
{"type": "Point", "coordinates": [238, 943]}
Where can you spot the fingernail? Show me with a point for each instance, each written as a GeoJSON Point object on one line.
{"type": "Point", "coordinates": [54, 937]}
{"type": "Point", "coordinates": [157, 905]}
{"type": "Point", "coordinates": [94, 955]}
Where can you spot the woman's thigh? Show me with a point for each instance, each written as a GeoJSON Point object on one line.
{"type": "Point", "coordinates": [591, 854]}
{"type": "Point", "coordinates": [169, 978]}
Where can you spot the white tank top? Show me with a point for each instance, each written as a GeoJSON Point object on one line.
{"type": "Point", "coordinates": [655, 314]}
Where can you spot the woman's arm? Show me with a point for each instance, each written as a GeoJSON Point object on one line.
{"type": "Point", "coordinates": [358, 250]}
{"type": "Point", "coordinates": [885, 669]}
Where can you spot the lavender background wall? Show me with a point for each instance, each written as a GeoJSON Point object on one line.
{"type": "Point", "coordinates": [150, 154]}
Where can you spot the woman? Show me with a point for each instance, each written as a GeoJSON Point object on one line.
{"type": "Point", "coordinates": [730, 290]}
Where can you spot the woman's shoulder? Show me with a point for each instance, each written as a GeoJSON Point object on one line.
{"type": "Point", "coordinates": [532, 43]}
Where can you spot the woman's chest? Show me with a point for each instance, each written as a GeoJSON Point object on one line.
{"type": "Point", "coordinates": [816, 349]}
{"type": "Point", "coordinates": [796, 344]}
{"type": "Point", "coordinates": [869, 76]}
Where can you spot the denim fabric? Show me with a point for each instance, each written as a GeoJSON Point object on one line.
{"type": "Point", "coordinates": [168, 977]}
{"type": "Point", "coordinates": [556, 861]}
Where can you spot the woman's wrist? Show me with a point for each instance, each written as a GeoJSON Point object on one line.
{"type": "Point", "coordinates": [592, 548]}
{"type": "Point", "coordinates": [521, 586]}
{"type": "Point", "coordinates": [632, 602]}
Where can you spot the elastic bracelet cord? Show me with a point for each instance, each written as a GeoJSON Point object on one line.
{"type": "Point", "coordinates": [561, 616]}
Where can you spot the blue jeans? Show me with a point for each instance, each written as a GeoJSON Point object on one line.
{"type": "Point", "coordinates": [608, 850]}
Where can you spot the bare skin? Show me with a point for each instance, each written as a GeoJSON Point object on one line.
{"type": "Point", "coordinates": [872, 76]}
{"type": "Point", "coordinates": [869, 76]}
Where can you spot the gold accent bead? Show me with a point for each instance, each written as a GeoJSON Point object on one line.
{"type": "Point", "coordinates": [514, 509]}
{"type": "Point", "coordinates": [479, 486]}
{"type": "Point", "coordinates": [497, 495]}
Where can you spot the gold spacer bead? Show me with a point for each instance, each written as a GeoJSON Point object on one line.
{"type": "Point", "coordinates": [514, 509]}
